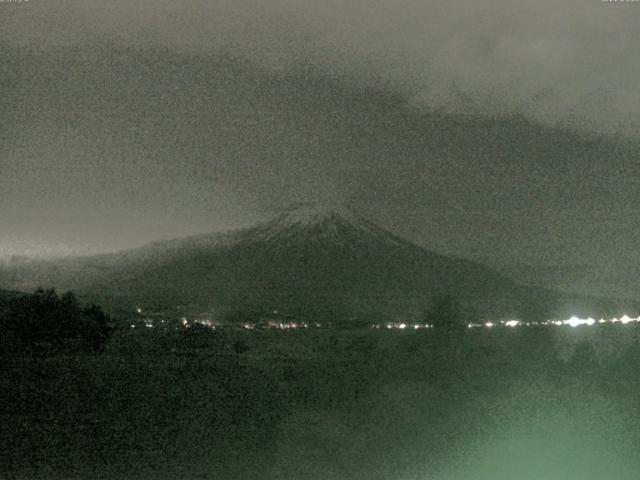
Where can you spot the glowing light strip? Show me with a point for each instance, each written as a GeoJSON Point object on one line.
{"type": "Point", "coordinates": [571, 322]}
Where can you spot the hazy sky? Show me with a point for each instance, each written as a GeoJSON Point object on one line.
{"type": "Point", "coordinates": [490, 129]}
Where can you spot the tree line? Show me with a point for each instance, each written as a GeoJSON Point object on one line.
{"type": "Point", "coordinates": [44, 320]}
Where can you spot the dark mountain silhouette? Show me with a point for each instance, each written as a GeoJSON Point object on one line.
{"type": "Point", "coordinates": [611, 281]}
{"type": "Point", "coordinates": [315, 263]}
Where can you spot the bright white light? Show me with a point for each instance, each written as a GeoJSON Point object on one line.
{"type": "Point", "coordinates": [573, 322]}
{"type": "Point", "coordinates": [139, 310]}
{"type": "Point", "coordinates": [402, 326]}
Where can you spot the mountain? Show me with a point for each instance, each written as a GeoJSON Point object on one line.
{"type": "Point", "coordinates": [618, 281]}
{"type": "Point", "coordinates": [317, 263]}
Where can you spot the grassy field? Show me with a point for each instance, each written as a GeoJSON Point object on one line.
{"type": "Point", "coordinates": [527, 403]}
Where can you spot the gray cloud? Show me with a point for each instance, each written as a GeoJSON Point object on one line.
{"type": "Point", "coordinates": [569, 64]}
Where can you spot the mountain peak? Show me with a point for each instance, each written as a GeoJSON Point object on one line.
{"type": "Point", "coordinates": [308, 214]}
{"type": "Point", "coordinates": [310, 222]}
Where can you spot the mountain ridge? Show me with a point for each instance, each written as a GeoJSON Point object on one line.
{"type": "Point", "coordinates": [318, 263]}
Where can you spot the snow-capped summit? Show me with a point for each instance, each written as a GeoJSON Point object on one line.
{"type": "Point", "coordinates": [305, 214]}
{"type": "Point", "coordinates": [320, 222]}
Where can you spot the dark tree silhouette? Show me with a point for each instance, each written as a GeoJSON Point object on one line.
{"type": "Point", "coordinates": [446, 313]}
{"type": "Point", "coordinates": [44, 318]}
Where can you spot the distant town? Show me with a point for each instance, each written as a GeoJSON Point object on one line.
{"type": "Point", "coordinates": [278, 321]}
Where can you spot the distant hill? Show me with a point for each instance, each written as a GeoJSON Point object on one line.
{"type": "Point", "coordinates": [621, 281]}
{"type": "Point", "coordinates": [308, 262]}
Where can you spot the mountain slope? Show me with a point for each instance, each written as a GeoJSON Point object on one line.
{"type": "Point", "coordinates": [317, 263]}
{"type": "Point", "coordinates": [619, 281]}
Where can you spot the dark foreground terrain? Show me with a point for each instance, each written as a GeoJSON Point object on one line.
{"type": "Point", "coordinates": [513, 404]}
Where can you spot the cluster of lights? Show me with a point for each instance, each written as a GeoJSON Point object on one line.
{"type": "Point", "coordinates": [206, 323]}
{"type": "Point", "coordinates": [289, 325]}
{"type": "Point", "coordinates": [576, 322]}
{"type": "Point", "coordinates": [571, 322]}
{"type": "Point", "coordinates": [280, 325]}
{"type": "Point", "coordinates": [277, 325]}
{"type": "Point", "coordinates": [402, 326]}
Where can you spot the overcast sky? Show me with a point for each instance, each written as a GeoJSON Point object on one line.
{"type": "Point", "coordinates": [490, 129]}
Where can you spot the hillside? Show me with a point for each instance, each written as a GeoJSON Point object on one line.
{"type": "Point", "coordinates": [316, 263]}
{"type": "Point", "coordinates": [619, 281]}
